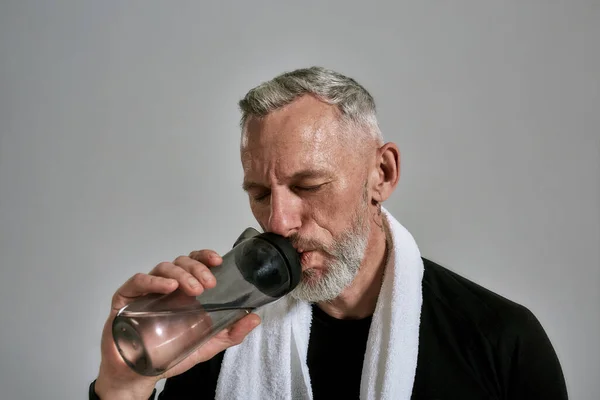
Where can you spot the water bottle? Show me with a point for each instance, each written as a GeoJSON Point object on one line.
{"type": "Point", "coordinates": [156, 332]}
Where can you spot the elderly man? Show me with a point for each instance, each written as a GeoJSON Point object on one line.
{"type": "Point", "coordinates": [370, 318]}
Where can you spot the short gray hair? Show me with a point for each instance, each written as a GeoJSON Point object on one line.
{"type": "Point", "coordinates": [355, 103]}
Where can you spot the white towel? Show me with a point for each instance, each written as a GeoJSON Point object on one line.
{"type": "Point", "coordinates": [271, 362]}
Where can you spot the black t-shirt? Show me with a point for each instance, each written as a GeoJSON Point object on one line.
{"type": "Point", "coordinates": [336, 352]}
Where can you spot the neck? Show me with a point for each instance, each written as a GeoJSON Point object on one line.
{"type": "Point", "coordinates": [359, 299]}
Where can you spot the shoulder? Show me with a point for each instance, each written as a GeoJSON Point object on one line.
{"type": "Point", "coordinates": [471, 303]}
{"type": "Point", "coordinates": [463, 323]}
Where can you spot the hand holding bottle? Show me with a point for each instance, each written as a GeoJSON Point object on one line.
{"type": "Point", "coordinates": [191, 274]}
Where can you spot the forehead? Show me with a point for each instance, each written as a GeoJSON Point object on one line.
{"type": "Point", "coordinates": [303, 134]}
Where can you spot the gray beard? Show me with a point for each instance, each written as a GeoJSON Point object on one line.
{"type": "Point", "coordinates": [347, 255]}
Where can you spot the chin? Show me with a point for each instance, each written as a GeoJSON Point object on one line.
{"type": "Point", "coordinates": [311, 276]}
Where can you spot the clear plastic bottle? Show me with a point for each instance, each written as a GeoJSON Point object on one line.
{"type": "Point", "coordinates": [156, 332]}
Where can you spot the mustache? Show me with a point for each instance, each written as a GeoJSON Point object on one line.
{"type": "Point", "coordinates": [300, 242]}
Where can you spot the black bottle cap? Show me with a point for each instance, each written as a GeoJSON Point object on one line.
{"type": "Point", "coordinates": [292, 258]}
{"type": "Point", "coordinates": [273, 275]}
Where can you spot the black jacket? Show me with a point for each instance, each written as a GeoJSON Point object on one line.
{"type": "Point", "coordinates": [473, 344]}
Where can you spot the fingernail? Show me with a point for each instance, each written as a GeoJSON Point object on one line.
{"type": "Point", "coordinates": [193, 282]}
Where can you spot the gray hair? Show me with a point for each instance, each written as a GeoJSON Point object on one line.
{"type": "Point", "coordinates": [354, 102]}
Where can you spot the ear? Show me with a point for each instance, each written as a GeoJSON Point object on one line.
{"type": "Point", "coordinates": [386, 172]}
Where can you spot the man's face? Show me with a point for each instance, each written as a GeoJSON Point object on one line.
{"type": "Point", "coordinates": [306, 182]}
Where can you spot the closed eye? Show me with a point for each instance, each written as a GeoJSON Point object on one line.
{"type": "Point", "coordinates": [309, 188]}
{"type": "Point", "coordinates": [260, 197]}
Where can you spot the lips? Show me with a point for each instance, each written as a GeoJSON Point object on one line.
{"type": "Point", "coordinates": [305, 257]}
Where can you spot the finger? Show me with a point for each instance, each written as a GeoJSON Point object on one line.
{"type": "Point", "coordinates": [184, 261]}
{"type": "Point", "coordinates": [238, 331]}
{"type": "Point", "coordinates": [203, 274]}
{"type": "Point", "coordinates": [187, 282]}
{"type": "Point", "coordinates": [139, 285]}
{"type": "Point", "coordinates": [209, 258]}
{"type": "Point", "coordinates": [197, 269]}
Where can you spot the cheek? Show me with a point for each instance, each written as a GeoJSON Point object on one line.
{"type": "Point", "coordinates": [260, 213]}
{"type": "Point", "coordinates": [333, 211]}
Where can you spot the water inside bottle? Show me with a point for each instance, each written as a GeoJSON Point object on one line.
{"type": "Point", "coordinates": [153, 342]}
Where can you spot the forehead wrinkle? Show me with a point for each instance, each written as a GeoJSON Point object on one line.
{"type": "Point", "coordinates": [312, 141]}
{"type": "Point", "coordinates": [282, 171]}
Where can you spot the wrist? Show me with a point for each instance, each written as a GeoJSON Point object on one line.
{"type": "Point", "coordinates": [133, 390]}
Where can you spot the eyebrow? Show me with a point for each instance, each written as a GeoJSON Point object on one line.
{"type": "Point", "coordinates": [250, 185]}
{"type": "Point", "coordinates": [304, 174]}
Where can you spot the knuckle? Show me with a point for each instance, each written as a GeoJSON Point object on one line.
{"type": "Point", "coordinates": [115, 299]}
{"type": "Point", "coordinates": [163, 266]}
{"type": "Point", "coordinates": [198, 268]}
{"type": "Point", "coordinates": [180, 259]}
{"type": "Point", "coordinates": [201, 255]}
{"type": "Point", "coordinates": [139, 278]}
{"type": "Point", "coordinates": [151, 280]}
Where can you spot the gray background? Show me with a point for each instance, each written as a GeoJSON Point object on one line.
{"type": "Point", "coordinates": [119, 149]}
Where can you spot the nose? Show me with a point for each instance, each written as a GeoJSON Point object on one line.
{"type": "Point", "coordinates": [285, 213]}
